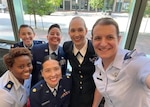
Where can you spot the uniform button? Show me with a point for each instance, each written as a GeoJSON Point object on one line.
{"type": "Point", "coordinates": [81, 88]}
{"type": "Point", "coordinates": [79, 65]}
{"type": "Point", "coordinates": [80, 82]}
{"type": "Point", "coordinates": [80, 72]}
{"type": "Point", "coordinates": [81, 76]}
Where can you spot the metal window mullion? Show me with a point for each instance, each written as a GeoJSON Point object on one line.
{"type": "Point", "coordinates": [135, 23]}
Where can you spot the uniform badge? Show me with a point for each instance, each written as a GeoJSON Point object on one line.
{"type": "Point", "coordinates": [46, 50]}
{"type": "Point", "coordinates": [93, 59]}
{"type": "Point", "coordinates": [115, 75]}
{"type": "Point", "coordinates": [65, 93]}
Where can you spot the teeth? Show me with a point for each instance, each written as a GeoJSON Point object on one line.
{"type": "Point", "coordinates": [53, 79]}
{"type": "Point", "coordinates": [77, 38]}
{"type": "Point", "coordinates": [27, 73]}
{"type": "Point", "coordinates": [55, 40]}
{"type": "Point", "coordinates": [103, 49]}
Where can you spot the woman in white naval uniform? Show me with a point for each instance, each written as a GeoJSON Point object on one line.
{"type": "Point", "coordinates": [15, 82]}
{"type": "Point", "coordinates": [121, 76]}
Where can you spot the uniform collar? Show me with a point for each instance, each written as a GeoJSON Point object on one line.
{"type": "Point", "coordinates": [119, 58]}
{"type": "Point", "coordinates": [17, 84]}
{"type": "Point", "coordinates": [28, 47]}
{"type": "Point", "coordinates": [82, 51]}
{"type": "Point", "coordinates": [51, 51]}
{"type": "Point", "coordinates": [52, 89]}
{"type": "Point", "coordinates": [118, 61]}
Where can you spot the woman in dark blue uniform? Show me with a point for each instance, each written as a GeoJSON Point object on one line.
{"type": "Point", "coordinates": [82, 63]}
{"type": "Point", "coordinates": [52, 47]}
{"type": "Point", "coordinates": [54, 90]}
{"type": "Point", "coordinates": [26, 34]}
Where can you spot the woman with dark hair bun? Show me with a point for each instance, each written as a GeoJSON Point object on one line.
{"type": "Point", "coordinates": [54, 89]}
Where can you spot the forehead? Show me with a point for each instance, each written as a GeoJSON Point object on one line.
{"type": "Point", "coordinates": [55, 29]}
{"type": "Point", "coordinates": [104, 29]}
{"type": "Point", "coordinates": [77, 22]}
{"type": "Point", "coordinates": [51, 63]}
{"type": "Point", "coordinates": [21, 59]}
{"type": "Point", "coordinates": [26, 29]}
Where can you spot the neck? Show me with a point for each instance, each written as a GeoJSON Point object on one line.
{"type": "Point", "coordinates": [79, 47]}
{"type": "Point", "coordinates": [54, 47]}
{"type": "Point", "coordinates": [106, 63]}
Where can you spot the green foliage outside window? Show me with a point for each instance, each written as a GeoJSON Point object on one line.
{"type": "Point", "coordinates": [40, 7]}
{"type": "Point", "coordinates": [96, 4]}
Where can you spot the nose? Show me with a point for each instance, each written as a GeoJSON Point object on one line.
{"type": "Point", "coordinates": [27, 36]}
{"type": "Point", "coordinates": [76, 33]}
{"type": "Point", "coordinates": [103, 42]}
{"type": "Point", "coordinates": [52, 73]}
{"type": "Point", "coordinates": [27, 68]}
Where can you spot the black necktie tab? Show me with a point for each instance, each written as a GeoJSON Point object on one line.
{"type": "Point", "coordinates": [53, 55]}
{"type": "Point", "coordinates": [79, 54]}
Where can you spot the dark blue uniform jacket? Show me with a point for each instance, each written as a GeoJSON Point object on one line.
{"type": "Point", "coordinates": [41, 95]}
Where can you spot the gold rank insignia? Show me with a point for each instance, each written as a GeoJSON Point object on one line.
{"type": "Point", "coordinates": [68, 76]}
{"type": "Point", "coordinates": [34, 90]}
{"type": "Point", "coordinates": [9, 85]}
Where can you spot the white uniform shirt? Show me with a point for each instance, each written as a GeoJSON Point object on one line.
{"type": "Point", "coordinates": [123, 82]}
{"type": "Point", "coordinates": [17, 95]}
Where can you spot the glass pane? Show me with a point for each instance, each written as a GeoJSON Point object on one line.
{"type": "Point", "coordinates": [142, 43]}
{"type": "Point", "coordinates": [120, 10]}
{"type": "Point", "coordinates": [6, 31]}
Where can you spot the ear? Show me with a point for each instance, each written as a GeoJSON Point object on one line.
{"type": "Point", "coordinates": [42, 73]}
{"type": "Point", "coordinates": [47, 36]}
{"type": "Point", "coordinates": [34, 34]}
{"type": "Point", "coordinates": [119, 38]}
{"type": "Point", "coordinates": [68, 32]}
{"type": "Point", "coordinates": [19, 36]}
{"type": "Point", "coordinates": [86, 30]}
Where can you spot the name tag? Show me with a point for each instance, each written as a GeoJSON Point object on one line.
{"type": "Point", "coordinates": [46, 102]}
{"type": "Point", "coordinates": [38, 62]}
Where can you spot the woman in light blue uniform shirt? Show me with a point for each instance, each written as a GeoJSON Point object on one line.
{"type": "Point", "coordinates": [121, 76]}
{"type": "Point", "coordinates": [15, 83]}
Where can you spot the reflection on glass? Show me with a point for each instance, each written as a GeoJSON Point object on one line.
{"type": "Point", "coordinates": [119, 10]}
{"type": "Point", "coordinates": [142, 43]}
{"type": "Point", "coordinates": [6, 32]}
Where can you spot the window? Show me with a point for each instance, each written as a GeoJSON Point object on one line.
{"type": "Point", "coordinates": [126, 12]}
{"type": "Point", "coordinates": [6, 30]}
{"type": "Point", "coordinates": [142, 43]}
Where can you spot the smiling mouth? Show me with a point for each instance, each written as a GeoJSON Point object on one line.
{"type": "Point", "coordinates": [103, 49]}
{"type": "Point", "coordinates": [53, 79]}
{"type": "Point", "coordinates": [27, 74]}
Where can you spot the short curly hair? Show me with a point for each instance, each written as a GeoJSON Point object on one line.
{"type": "Point", "coordinates": [14, 53]}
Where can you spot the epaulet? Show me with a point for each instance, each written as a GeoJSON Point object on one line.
{"type": "Point", "coordinates": [9, 85]}
{"type": "Point", "coordinates": [130, 54]}
{"type": "Point", "coordinates": [37, 87]}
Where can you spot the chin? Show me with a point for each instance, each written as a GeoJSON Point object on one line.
{"type": "Point", "coordinates": [27, 77]}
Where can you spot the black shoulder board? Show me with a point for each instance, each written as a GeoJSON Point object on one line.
{"type": "Point", "coordinates": [9, 85]}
